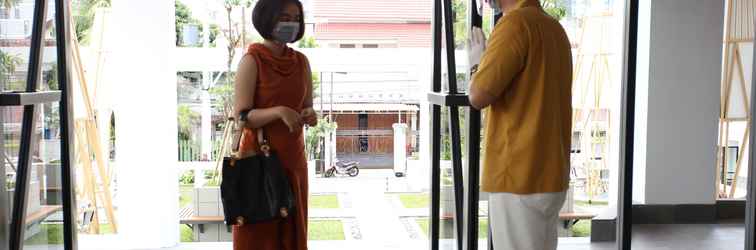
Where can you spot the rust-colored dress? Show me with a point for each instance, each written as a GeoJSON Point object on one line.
{"type": "Point", "coordinates": [280, 82]}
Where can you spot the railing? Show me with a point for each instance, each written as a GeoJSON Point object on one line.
{"type": "Point", "coordinates": [371, 132]}
{"type": "Point", "coordinates": [190, 150]}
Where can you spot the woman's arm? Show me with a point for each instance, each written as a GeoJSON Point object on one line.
{"type": "Point", "coordinates": [244, 86]}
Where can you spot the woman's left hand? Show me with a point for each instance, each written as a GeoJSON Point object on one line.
{"type": "Point", "coordinates": [309, 117]}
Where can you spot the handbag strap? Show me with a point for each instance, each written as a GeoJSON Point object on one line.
{"type": "Point", "coordinates": [239, 133]}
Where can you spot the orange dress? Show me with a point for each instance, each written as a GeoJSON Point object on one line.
{"type": "Point", "coordinates": [280, 82]}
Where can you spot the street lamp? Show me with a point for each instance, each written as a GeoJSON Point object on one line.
{"type": "Point", "coordinates": [330, 112]}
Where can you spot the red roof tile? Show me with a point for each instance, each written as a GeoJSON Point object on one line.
{"type": "Point", "coordinates": [406, 35]}
{"type": "Point", "coordinates": [373, 11]}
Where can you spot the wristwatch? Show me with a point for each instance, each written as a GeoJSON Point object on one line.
{"type": "Point", "coordinates": [243, 115]}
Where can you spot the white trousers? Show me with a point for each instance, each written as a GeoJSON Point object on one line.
{"type": "Point", "coordinates": [525, 222]}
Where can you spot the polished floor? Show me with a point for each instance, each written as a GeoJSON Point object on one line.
{"type": "Point", "coordinates": [677, 237]}
{"type": "Point", "coordinates": [726, 236]}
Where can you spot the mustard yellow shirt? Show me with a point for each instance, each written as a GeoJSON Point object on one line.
{"type": "Point", "coordinates": [528, 67]}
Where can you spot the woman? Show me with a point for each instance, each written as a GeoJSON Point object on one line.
{"type": "Point", "coordinates": [274, 92]}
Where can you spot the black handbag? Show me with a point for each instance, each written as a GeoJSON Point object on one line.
{"type": "Point", "coordinates": [254, 187]}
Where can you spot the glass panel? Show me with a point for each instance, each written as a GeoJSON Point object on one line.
{"type": "Point", "coordinates": [15, 39]}
{"type": "Point", "coordinates": [44, 219]}
{"type": "Point", "coordinates": [447, 208]}
{"type": "Point", "coordinates": [595, 30]}
{"type": "Point", "coordinates": [733, 138]}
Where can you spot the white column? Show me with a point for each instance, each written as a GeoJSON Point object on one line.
{"type": "Point", "coordinates": [143, 50]}
{"type": "Point", "coordinates": [206, 114]}
{"type": "Point", "coordinates": [400, 147]}
{"type": "Point", "coordinates": [679, 71]}
{"type": "Point", "coordinates": [207, 82]}
{"type": "Point", "coordinates": [330, 148]}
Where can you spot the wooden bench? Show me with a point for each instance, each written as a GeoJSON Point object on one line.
{"type": "Point", "coordinates": [570, 219]}
{"type": "Point", "coordinates": [42, 213]}
{"type": "Point", "coordinates": [187, 217]}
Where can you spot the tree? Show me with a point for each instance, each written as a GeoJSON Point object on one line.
{"type": "Point", "coordinates": [84, 14]}
{"type": "Point", "coordinates": [554, 8]}
{"type": "Point", "coordinates": [315, 85]}
{"type": "Point", "coordinates": [8, 64]}
{"type": "Point", "coordinates": [10, 3]}
{"type": "Point", "coordinates": [214, 32]}
{"type": "Point", "coordinates": [308, 42]}
{"type": "Point", "coordinates": [459, 8]}
{"type": "Point", "coordinates": [245, 4]}
{"type": "Point", "coordinates": [232, 34]}
{"type": "Point", "coordinates": [187, 119]}
{"type": "Point", "coordinates": [183, 18]}
{"type": "Point", "coordinates": [315, 135]}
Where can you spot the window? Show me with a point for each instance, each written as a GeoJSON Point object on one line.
{"type": "Point", "coordinates": [347, 46]}
{"type": "Point", "coordinates": [370, 46]}
{"type": "Point", "coordinates": [362, 121]}
{"type": "Point", "coordinates": [18, 13]}
{"type": "Point", "coordinates": [576, 142]}
{"type": "Point", "coordinates": [362, 124]}
{"type": "Point", "coordinates": [728, 173]}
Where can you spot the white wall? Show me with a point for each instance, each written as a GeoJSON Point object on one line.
{"type": "Point", "coordinates": [678, 101]}
{"type": "Point", "coordinates": [146, 126]}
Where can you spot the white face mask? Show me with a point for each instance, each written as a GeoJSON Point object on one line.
{"type": "Point", "coordinates": [286, 32]}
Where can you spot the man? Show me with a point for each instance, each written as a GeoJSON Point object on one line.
{"type": "Point", "coordinates": [524, 81]}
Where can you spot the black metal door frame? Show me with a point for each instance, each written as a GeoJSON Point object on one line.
{"type": "Point", "coordinates": [12, 238]}
{"type": "Point", "coordinates": [465, 203]}
{"type": "Point", "coordinates": [750, 222]}
{"type": "Point", "coordinates": [627, 129]}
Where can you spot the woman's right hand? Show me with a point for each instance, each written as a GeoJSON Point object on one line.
{"type": "Point", "coordinates": [291, 118]}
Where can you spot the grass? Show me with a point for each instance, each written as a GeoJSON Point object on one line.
{"type": "Point", "coordinates": [185, 197]}
{"type": "Point", "coordinates": [582, 229]}
{"type": "Point", "coordinates": [447, 229]}
{"type": "Point", "coordinates": [106, 229]}
{"type": "Point", "coordinates": [187, 235]}
{"type": "Point", "coordinates": [414, 200]}
{"type": "Point", "coordinates": [49, 234]}
{"type": "Point", "coordinates": [325, 230]}
{"type": "Point", "coordinates": [592, 203]}
{"type": "Point", "coordinates": [330, 201]}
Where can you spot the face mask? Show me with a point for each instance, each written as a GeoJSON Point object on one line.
{"type": "Point", "coordinates": [495, 6]}
{"type": "Point", "coordinates": [286, 32]}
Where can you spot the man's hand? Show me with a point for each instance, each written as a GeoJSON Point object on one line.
{"type": "Point", "coordinates": [309, 117]}
{"type": "Point", "coordinates": [476, 46]}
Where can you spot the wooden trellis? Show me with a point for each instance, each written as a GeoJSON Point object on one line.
{"type": "Point", "coordinates": [96, 180]}
{"type": "Point", "coordinates": [589, 86]}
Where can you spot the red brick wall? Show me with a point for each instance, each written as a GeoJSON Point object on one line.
{"type": "Point", "coordinates": [375, 121]}
{"type": "Point", "coordinates": [376, 144]}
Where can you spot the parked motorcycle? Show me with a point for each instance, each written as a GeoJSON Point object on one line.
{"type": "Point", "coordinates": [350, 168]}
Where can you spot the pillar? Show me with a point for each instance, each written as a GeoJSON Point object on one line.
{"type": "Point", "coordinates": [400, 148]}
{"type": "Point", "coordinates": [145, 87]}
{"type": "Point", "coordinates": [677, 101]}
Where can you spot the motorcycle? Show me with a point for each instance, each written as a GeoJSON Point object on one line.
{"type": "Point", "coordinates": [350, 168]}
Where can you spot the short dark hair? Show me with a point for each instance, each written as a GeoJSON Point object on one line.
{"type": "Point", "coordinates": [265, 17]}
